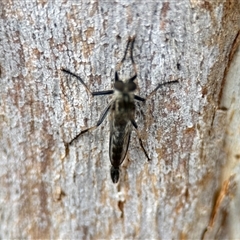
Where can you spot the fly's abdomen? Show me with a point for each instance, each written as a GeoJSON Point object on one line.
{"type": "Point", "coordinates": [119, 141]}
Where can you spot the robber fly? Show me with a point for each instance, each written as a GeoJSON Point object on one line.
{"type": "Point", "coordinates": [122, 113]}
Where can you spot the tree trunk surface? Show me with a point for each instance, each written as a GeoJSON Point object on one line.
{"type": "Point", "coordinates": [191, 187]}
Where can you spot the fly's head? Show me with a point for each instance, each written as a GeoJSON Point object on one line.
{"type": "Point", "coordinates": [126, 86]}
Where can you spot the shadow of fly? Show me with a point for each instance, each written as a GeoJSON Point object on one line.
{"type": "Point", "coordinates": [122, 113]}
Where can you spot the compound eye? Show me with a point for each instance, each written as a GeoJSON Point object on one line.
{"type": "Point", "coordinates": [119, 85]}
{"type": "Point", "coordinates": [131, 86]}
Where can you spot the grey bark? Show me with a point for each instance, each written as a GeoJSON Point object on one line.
{"type": "Point", "coordinates": [189, 190]}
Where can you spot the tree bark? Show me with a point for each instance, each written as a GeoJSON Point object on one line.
{"type": "Point", "coordinates": [191, 187]}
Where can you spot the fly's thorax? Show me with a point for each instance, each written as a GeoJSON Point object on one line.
{"type": "Point", "coordinates": [124, 103]}
{"type": "Point", "coordinates": [123, 106]}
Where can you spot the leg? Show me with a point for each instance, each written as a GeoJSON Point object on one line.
{"type": "Point", "coordinates": [76, 76]}
{"type": "Point", "coordinates": [158, 86]}
{"type": "Point", "coordinates": [131, 56]}
{"type": "Point", "coordinates": [107, 92]}
{"type": "Point", "coordinates": [125, 52]}
{"type": "Point", "coordinates": [130, 41]}
{"type": "Point", "coordinates": [136, 97]}
{"type": "Point", "coordinates": [139, 138]}
{"type": "Point", "coordinates": [99, 122]}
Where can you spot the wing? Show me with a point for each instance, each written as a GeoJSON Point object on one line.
{"type": "Point", "coordinates": [119, 142]}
